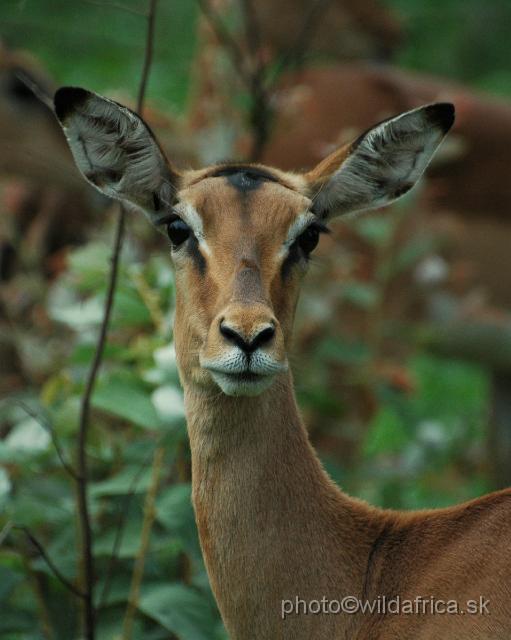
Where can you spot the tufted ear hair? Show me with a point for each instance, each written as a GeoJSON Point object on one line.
{"type": "Point", "coordinates": [382, 164]}
{"type": "Point", "coordinates": [116, 151]}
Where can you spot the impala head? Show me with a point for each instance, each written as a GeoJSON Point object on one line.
{"type": "Point", "coordinates": [241, 235]}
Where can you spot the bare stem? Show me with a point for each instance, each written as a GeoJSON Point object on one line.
{"type": "Point", "coordinates": [253, 71]}
{"type": "Point", "coordinates": [87, 558]}
{"type": "Point", "coordinates": [47, 426]}
{"type": "Point", "coordinates": [225, 38]}
{"type": "Point", "coordinates": [298, 50]}
{"type": "Point", "coordinates": [56, 572]}
{"type": "Point", "coordinates": [148, 55]}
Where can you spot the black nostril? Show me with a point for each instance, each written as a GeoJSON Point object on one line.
{"type": "Point", "coordinates": [233, 336]}
{"type": "Point", "coordinates": [264, 336]}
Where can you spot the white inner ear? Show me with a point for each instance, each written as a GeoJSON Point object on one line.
{"type": "Point", "coordinates": [116, 152]}
{"type": "Point", "coordinates": [384, 164]}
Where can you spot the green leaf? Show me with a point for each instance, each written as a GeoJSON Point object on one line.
{"type": "Point", "coordinates": [174, 507]}
{"type": "Point", "coordinates": [361, 294]}
{"type": "Point", "coordinates": [386, 434]}
{"type": "Point", "coordinates": [89, 265]}
{"type": "Point", "coordinates": [130, 480]}
{"type": "Point", "coordinates": [8, 581]}
{"type": "Point", "coordinates": [125, 397]}
{"type": "Point", "coordinates": [376, 230]}
{"type": "Point", "coordinates": [129, 309]}
{"type": "Point", "coordinates": [130, 542]}
{"type": "Point", "coordinates": [346, 352]}
{"type": "Point", "coordinates": [410, 254]}
{"type": "Point", "coordinates": [180, 610]}
{"type": "Point", "coordinates": [16, 622]}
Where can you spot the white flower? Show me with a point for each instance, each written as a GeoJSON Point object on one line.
{"type": "Point", "coordinates": [432, 270]}
{"type": "Point", "coordinates": [28, 435]}
{"type": "Point", "coordinates": [168, 402]}
{"type": "Point", "coordinates": [5, 483]}
{"type": "Point", "coordinates": [165, 357]}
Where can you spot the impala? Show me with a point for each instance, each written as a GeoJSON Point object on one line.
{"type": "Point", "coordinates": [278, 537]}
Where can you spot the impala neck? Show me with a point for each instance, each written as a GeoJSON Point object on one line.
{"type": "Point", "coordinates": [224, 429]}
{"type": "Point", "coordinates": [270, 521]}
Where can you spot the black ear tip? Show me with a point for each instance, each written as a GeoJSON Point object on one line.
{"type": "Point", "coordinates": [442, 114]}
{"type": "Point", "coordinates": [68, 99]}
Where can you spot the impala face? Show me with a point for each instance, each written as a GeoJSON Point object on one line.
{"type": "Point", "coordinates": [241, 235]}
{"type": "Point", "coordinates": [241, 238]}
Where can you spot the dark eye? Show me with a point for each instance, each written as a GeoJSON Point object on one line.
{"type": "Point", "coordinates": [308, 240]}
{"type": "Point", "coordinates": [178, 232]}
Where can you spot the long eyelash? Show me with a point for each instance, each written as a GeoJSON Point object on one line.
{"type": "Point", "coordinates": [322, 228]}
{"type": "Point", "coordinates": [167, 218]}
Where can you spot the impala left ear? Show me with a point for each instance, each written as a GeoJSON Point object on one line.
{"type": "Point", "coordinates": [382, 164]}
{"type": "Point", "coordinates": [116, 151]}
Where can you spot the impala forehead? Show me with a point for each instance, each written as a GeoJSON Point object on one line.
{"type": "Point", "coordinates": [219, 211]}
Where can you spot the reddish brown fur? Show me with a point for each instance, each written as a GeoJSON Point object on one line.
{"type": "Point", "coordinates": [272, 524]}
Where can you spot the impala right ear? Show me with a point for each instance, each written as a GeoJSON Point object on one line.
{"type": "Point", "coordinates": [116, 151]}
{"type": "Point", "coordinates": [382, 164]}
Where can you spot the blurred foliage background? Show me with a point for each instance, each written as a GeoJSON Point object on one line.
{"type": "Point", "coordinates": [402, 352]}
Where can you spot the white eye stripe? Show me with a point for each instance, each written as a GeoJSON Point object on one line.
{"type": "Point", "coordinates": [191, 216]}
{"type": "Point", "coordinates": [299, 225]}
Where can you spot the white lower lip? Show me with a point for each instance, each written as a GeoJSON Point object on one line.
{"type": "Point", "coordinates": [238, 385]}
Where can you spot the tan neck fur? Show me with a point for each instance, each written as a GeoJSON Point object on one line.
{"type": "Point", "coordinates": [272, 524]}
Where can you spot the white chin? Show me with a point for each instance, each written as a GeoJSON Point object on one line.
{"type": "Point", "coordinates": [233, 385]}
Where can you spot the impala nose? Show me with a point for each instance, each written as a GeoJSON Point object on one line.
{"type": "Point", "coordinates": [262, 336]}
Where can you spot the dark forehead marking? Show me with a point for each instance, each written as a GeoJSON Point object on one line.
{"type": "Point", "coordinates": [244, 178]}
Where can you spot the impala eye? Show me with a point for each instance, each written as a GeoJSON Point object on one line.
{"type": "Point", "coordinates": [308, 240]}
{"type": "Point", "coordinates": [178, 232]}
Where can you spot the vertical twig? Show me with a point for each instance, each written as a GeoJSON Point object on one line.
{"type": "Point", "coordinates": [87, 558]}
{"type": "Point", "coordinates": [298, 50]}
{"type": "Point", "coordinates": [138, 570]}
{"type": "Point", "coordinates": [260, 114]}
{"type": "Point", "coordinates": [148, 55]}
{"type": "Point", "coordinates": [225, 38]}
{"type": "Point", "coordinates": [254, 72]}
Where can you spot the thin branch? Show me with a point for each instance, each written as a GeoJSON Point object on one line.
{"type": "Point", "coordinates": [253, 70]}
{"type": "Point", "coordinates": [36, 89]}
{"type": "Point", "coordinates": [48, 427]}
{"type": "Point", "coordinates": [298, 50]}
{"type": "Point", "coordinates": [82, 481]}
{"type": "Point", "coordinates": [138, 571]}
{"type": "Point", "coordinates": [148, 56]}
{"type": "Point", "coordinates": [260, 114]}
{"type": "Point", "coordinates": [37, 582]}
{"type": "Point", "coordinates": [56, 572]}
{"type": "Point", "coordinates": [9, 526]}
{"type": "Point", "coordinates": [226, 40]}
{"type": "Point", "coordinates": [252, 33]}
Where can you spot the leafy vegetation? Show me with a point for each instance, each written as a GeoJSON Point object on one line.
{"type": "Point", "coordinates": [421, 447]}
